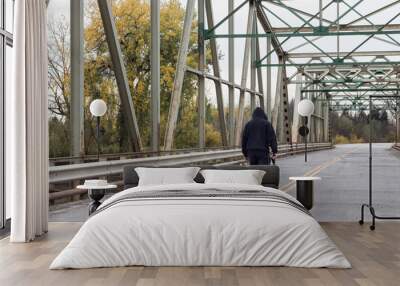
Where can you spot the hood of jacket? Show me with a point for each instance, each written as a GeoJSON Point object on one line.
{"type": "Point", "coordinates": [259, 113]}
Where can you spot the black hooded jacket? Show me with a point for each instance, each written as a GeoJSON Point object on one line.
{"type": "Point", "coordinates": [258, 134]}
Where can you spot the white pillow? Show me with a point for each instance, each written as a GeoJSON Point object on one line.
{"type": "Point", "coordinates": [248, 177]}
{"type": "Point", "coordinates": [166, 176]}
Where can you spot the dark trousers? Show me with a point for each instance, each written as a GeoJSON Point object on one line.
{"type": "Point", "coordinates": [258, 157]}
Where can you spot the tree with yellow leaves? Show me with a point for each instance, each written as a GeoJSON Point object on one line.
{"type": "Point", "coordinates": [132, 18]}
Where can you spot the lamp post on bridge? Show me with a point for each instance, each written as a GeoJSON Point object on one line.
{"type": "Point", "coordinates": [305, 108]}
{"type": "Point", "coordinates": [98, 108]}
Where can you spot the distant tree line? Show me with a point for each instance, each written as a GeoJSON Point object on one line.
{"type": "Point", "coordinates": [353, 127]}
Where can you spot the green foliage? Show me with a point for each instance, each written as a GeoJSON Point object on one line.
{"type": "Point", "coordinates": [354, 128]}
{"type": "Point", "coordinates": [58, 138]}
{"type": "Point", "coordinates": [340, 139]}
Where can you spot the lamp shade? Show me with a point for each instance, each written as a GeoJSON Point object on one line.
{"type": "Point", "coordinates": [305, 107]}
{"type": "Point", "coordinates": [98, 107]}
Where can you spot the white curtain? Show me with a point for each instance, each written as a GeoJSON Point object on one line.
{"type": "Point", "coordinates": [26, 124]}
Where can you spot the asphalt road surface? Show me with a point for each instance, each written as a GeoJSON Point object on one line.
{"type": "Point", "coordinates": [340, 193]}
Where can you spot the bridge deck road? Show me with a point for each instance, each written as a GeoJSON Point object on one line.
{"type": "Point", "coordinates": [344, 185]}
{"type": "Point", "coordinates": [340, 193]}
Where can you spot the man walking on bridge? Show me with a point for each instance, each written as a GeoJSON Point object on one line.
{"type": "Point", "coordinates": [257, 138]}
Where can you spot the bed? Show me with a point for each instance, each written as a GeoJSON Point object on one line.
{"type": "Point", "coordinates": [198, 224]}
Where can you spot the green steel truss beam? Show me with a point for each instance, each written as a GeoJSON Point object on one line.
{"type": "Point", "coordinates": [339, 90]}
{"type": "Point", "coordinates": [342, 28]}
{"type": "Point", "coordinates": [211, 30]}
{"type": "Point", "coordinates": [338, 63]}
{"type": "Point", "coordinates": [265, 23]}
{"type": "Point", "coordinates": [298, 11]}
{"type": "Point", "coordinates": [296, 30]}
{"type": "Point", "coordinates": [355, 54]}
{"type": "Point", "coordinates": [333, 29]}
{"type": "Point", "coordinates": [343, 75]}
{"type": "Point", "coordinates": [315, 33]}
{"type": "Point", "coordinates": [371, 23]}
{"type": "Point", "coordinates": [361, 103]}
{"type": "Point", "coordinates": [357, 101]}
{"type": "Point", "coordinates": [307, 30]}
{"type": "Point", "coordinates": [365, 107]}
{"type": "Point", "coordinates": [390, 103]}
{"type": "Point", "coordinates": [374, 12]}
{"type": "Point", "coordinates": [347, 81]}
{"type": "Point", "coordinates": [370, 37]}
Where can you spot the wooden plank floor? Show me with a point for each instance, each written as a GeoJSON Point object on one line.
{"type": "Point", "coordinates": [375, 257]}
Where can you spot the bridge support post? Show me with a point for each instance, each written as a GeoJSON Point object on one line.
{"type": "Point", "coordinates": [321, 121]}
{"type": "Point", "coordinates": [310, 126]}
{"type": "Point", "coordinates": [155, 75]}
{"type": "Point", "coordinates": [245, 68]}
{"type": "Point", "coordinates": [398, 127]}
{"type": "Point", "coordinates": [179, 75]}
{"type": "Point", "coordinates": [280, 115]}
{"type": "Point", "coordinates": [296, 117]}
{"type": "Point", "coordinates": [77, 78]}
{"type": "Point", "coordinates": [120, 73]}
{"type": "Point", "coordinates": [317, 117]}
{"type": "Point", "coordinates": [269, 84]}
{"type": "Point", "coordinates": [215, 64]}
{"type": "Point", "coordinates": [201, 98]}
{"type": "Point", "coordinates": [312, 123]}
{"type": "Point", "coordinates": [253, 67]}
{"type": "Point", "coordinates": [285, 136]}
{"type": "Point", "coordinates": [231, 67]}
{"type": "Point", "coordinates": [259, 75]}
{"type": "Point", "coordinates": [326, 121]}
{"type": "Point", "coordinates": [275, 110]}
{"type": "Point", "coordinates": [273, 41]}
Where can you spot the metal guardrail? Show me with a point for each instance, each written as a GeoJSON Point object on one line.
{"type": "Point", "coordinates": [72, 172]}
{"type": "Point", "coordinates": [127, 155]}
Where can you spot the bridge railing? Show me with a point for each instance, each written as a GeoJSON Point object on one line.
{"type": "Point", "coordinates": [63, 178]}
{"type": "Point", "coordinates": [106, 168]}
{"type": "Point", "coordinates": [128, 155]}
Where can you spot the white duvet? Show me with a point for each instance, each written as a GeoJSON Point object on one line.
{"type": "Point", "coordinates": [192, 231]}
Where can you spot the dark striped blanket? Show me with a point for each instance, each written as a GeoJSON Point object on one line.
{"type": "Point", "coordinates": [205, 194]}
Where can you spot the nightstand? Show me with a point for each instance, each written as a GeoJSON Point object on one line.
{"type": "Point", "coordinates": [305, 190]}
{"type": "Point", "coordinates": [96, 193]}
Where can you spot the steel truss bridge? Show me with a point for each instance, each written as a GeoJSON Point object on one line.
{"type": "Point", "coordinates": [338, 76]}
{"type": "Point", "coordinates": [337, 53]}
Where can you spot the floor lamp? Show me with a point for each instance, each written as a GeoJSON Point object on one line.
{"type": "Point", "coordinates": [305, 108]}
{"type": "Point", "coordinates": [369, 205]}
{"type": "Point", "coordinates": [98, 108]}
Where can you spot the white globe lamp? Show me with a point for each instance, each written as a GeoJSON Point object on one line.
{"type": "Point", "coordinates": [305, 107]}
{"type": "Point", "coordinates": [98, 107]}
